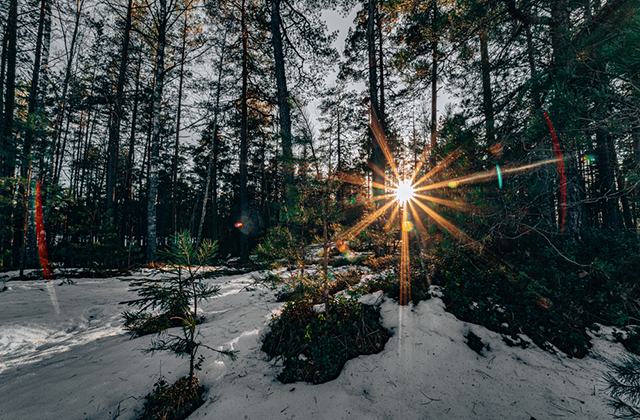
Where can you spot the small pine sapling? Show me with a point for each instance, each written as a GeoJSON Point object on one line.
{"type": "Point", "coordinates": [624, 387]}
{"type": "Point", "coordinates": [172, 301]}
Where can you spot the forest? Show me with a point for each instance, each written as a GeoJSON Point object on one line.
{"type": "Point", "coordinates": [141, 119]}
{"type": "Point", "coordinates": [490, 149]}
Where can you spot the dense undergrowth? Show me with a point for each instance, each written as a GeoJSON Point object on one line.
{"type": "Point", "coordinates": [173, 402]}
{"type": "Point", "coordinates": [321, 327]}
{"type": "Point", "coordinates": [551, 293]}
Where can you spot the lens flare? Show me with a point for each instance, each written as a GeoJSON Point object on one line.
{"type": "Point", "coordinates": [410, 203]}
{"type": "Point", "coordinates": [404, 191]}
{"type": "Point", "coordinates": [239, 224]}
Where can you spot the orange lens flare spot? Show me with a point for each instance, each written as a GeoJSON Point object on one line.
{"type": "Point", "coordinates": [239, 224]}
{"type": "Point", "coordinates": [407, 226]}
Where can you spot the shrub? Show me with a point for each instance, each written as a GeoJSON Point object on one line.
{"type": "Point", "coordinates": [551, 293]}
{"type": "Point", "coordinates": [173, 402]}
{"type": "Point", "coordinates": [315, 346]}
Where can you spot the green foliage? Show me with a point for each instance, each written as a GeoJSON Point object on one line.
{"type": "Point", "coordinates": [315, 346]}
{"type": "Point", "coordinates": [168, 301]}
{"type": "Point", "coordinates": [281, 247]}
{"type": "Point", "coordinates": [623, 384]}
{"type": "Point", "coordinates": [91, 241]}
{"type": "Point", "coordinates": [173, 402]}
{"type": "Point", "coordinates": [552, 294]}
{"type": "Point", "coordinates": [8, 219]}
{"type": "Point", "coordinates": [389, 283]}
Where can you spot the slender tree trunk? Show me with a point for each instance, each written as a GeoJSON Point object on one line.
{"type": "Point", "coordinates": [59, 155]}
{"type": "Point", "coordinates": [3, 69]}
{"type": "Point", "coordinates": [487, 99]}
{"type": "Point", "coordinates": [560, 22]}
{"type": "Point", "coordinates": [6, 136]}
{"type": "Point", "coordinates": [154, 151]}
{"type": "Point", "coordinates": [33, 94]}
{"type": "Point", "coordinates": [607, 167]}
{"type": "Point", "coordinates": [283, 94]}
{"type": "Point", "coordinates": [535, 94]}
{"type": "Point", "coordinates": [57, 133]}
{"type": "Point", "coordinates": [383, 116]}
{"type": "Point", "coordinates": [377, 157]}
{"type": "Point", "coordinates": [176, 148]}
{"type": "Point", "coordinates": [434, 80]}
{"type": "Point", "coordinates": [212, 166]}
{"type": "Point", "coordinates": [113, 148]}
{"type": "Point", "coordinates": [244, 198]}
{"type": "Point", "coordinates": [128, 178]}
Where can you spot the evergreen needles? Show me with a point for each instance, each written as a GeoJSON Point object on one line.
{"type": "Point", "coordinates": [172, 300]}
{"type": "Point", "coordinates": [624, 386]}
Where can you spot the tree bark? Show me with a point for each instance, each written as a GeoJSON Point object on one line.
{"type": "Point", "coordinates": [434, 79]}
{"type": "Point", "coordinates": [244, 198]}
{"type": "Point", "coordinates": [607, 189]}
{"type": "Point", "coordinates": [128, 178]}
{"type": "Point", "coordinates": [377, 157]}
{"type": "Point", "coordinates": [6, 136]}
{"type": "Point", "coordinates": [33, 94]}
{"type": "Point", "coordinates": [154, 151]}
{"type": "Point", "coordinates": [212, 166]}
{"type": "Point", "coordinates": [487, 99]}
{"type": "Point", "coordinates": [3, 69]}
{"type": "Point", "coordinates": [57, 132]}
{"type": "Point", "coordinates": [560, 68]}
{"type": "Point", "coordinates": [176, 148]}
{"type": "Point", "coordinates": [283, 94]}
{"type": "Point", "coordinates": [116, 117]}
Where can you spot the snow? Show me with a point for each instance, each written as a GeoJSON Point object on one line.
{"type": "Point", "coordinates": [76, 362]}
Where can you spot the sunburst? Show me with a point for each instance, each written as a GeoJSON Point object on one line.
{"type": "Point", "coordinates": [405, 196]}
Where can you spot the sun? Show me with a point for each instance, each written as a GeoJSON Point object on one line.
{"type": "Point", "coordinates": [410, 201]}
{"type": "Point", "coordinates": [404, 191]}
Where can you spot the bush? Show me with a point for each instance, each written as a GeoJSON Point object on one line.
{"type": "Point", "coordinates": [551, 293]}
{"type": "Point", "coordinates": [173, 402]}
{"type": "Point", "coordinates": [315, 346]}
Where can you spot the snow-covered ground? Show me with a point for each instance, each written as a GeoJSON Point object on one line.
{"type": "Point", "coordinates": [64, 355]}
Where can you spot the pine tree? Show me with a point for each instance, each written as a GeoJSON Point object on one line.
{"type": "Point", "coordinates": [172, 301]}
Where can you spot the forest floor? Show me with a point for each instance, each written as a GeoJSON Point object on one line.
{"type": "Point", "coordinates": [64, 355]}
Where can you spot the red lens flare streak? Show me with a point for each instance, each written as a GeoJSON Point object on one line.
{"type": "Point", "coordinates": [563, 178]}
{"type": "Point", "coordinates": [40, 235]}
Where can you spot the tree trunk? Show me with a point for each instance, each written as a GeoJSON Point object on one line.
{"type": "Point", "coordinates": [46, 47]}
{"type": "Point", "coordinates": [57, 133]}
{"type": "Point", "coordinates": [113, 149]}
{"type": "Point", "coordinates": [128, 178]}
{"type": "Point", "coordinates": [244, 198]}
{"type": "Point", "coordinates": [283, 94]}
{"type": "Point", "coordinates": [434, 82]}
{"type": "Point", "coordinates": [3, 69]}
{"type": "Point", "coordinates": [6, 136]}
{"type": "Point", "coordinates": [154, 151]}
{"type": "Point", "coordinates": [377, 158]}
{"type": "Point", "coordinates": [176, 147]}
{"type": "Point", "coordinates": [560, 68]}
{"type": "Point", "coordinates": [212, 166]}
{"type": "Point", "coordinates": [607, 190]}
{"type": "Point", "coordinates": [33, 94]}
{"type": "Point", "coordinates": [487, 99]}
{"type": "Point", "coordinates": [383, 116]}
{"type": "Point", "coordinates": [535, 90]}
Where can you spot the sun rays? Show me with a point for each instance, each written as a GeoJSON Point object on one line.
{"type": "Point", "coordinates": [406, 201]}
